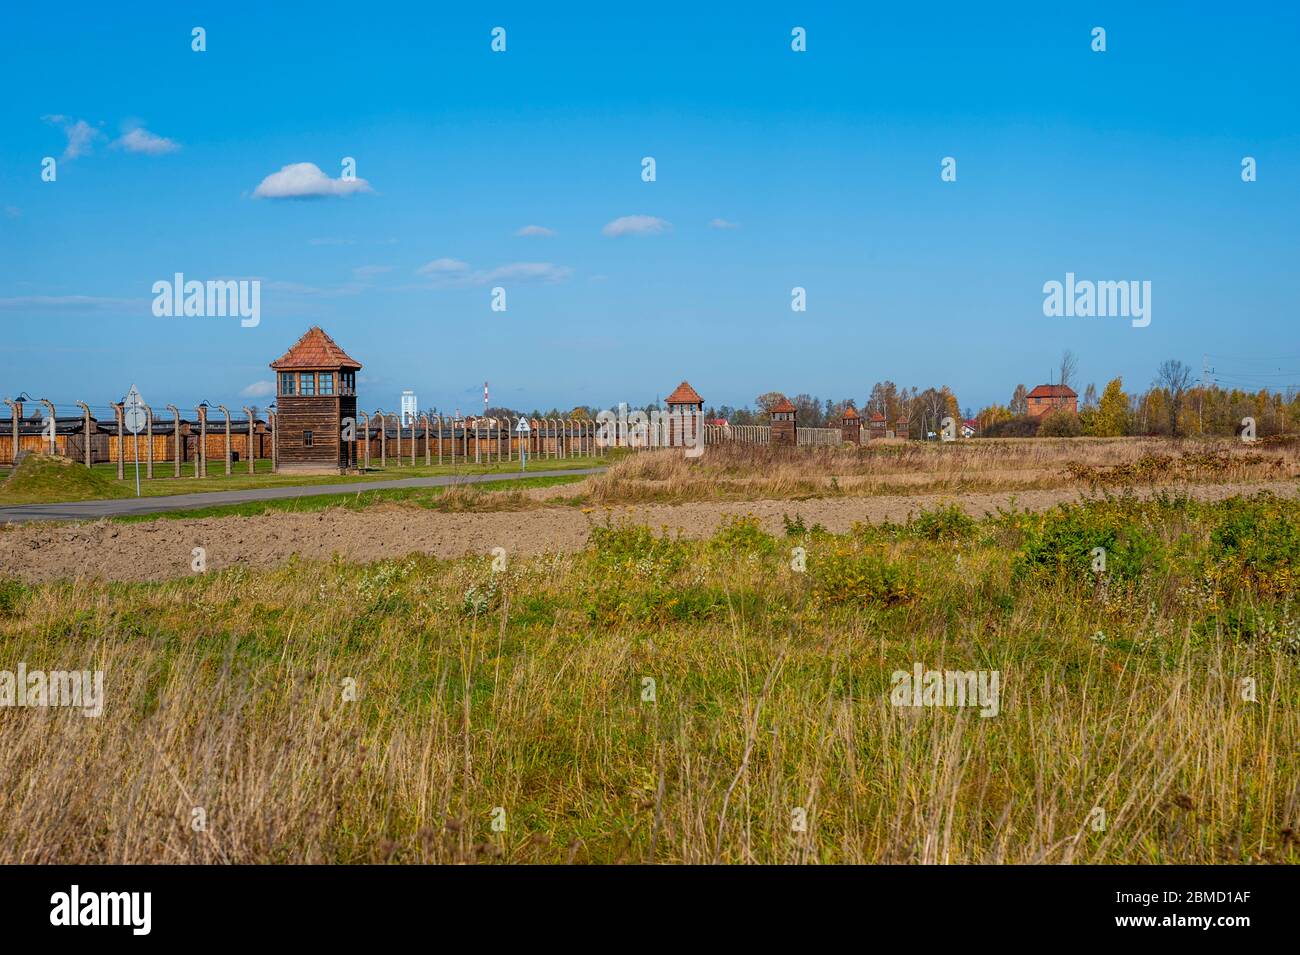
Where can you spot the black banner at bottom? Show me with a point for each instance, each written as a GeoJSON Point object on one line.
{"type": "Point", "coordinates": [144, 905]}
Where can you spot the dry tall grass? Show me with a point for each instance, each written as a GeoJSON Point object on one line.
{"type": "Point", "coordinates": [523, 691]}
{"type": "Point", "coordinates": [737, 472]}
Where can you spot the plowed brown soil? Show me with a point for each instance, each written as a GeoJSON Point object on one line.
{"type": "Point", "coordinates": [161, 549]}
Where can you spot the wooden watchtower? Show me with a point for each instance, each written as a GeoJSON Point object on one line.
{"type": "Point", "coordinates": [785, 431]}
{"type": "Point", "coordinates": [316, 390]}
{"type": "Point", "coordinates": [851, 426]}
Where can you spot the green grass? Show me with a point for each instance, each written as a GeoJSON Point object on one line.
{"type": "Point", "coordinates": [432, 498]}
{"type": "Point", "coordinates": [527, 691]}
{"type": "Point", "coordinates": [41, 478]}
{"type": "Point", "coordinates": [51, 486]}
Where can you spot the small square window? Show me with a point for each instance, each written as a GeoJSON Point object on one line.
{"type": "Point", "coordinates": [287, 381]}
{"type": "Point", "coordinates": [307, 383]}
{"type": "Point", "coordinates": [326, 381]}
{"type": "Point", "coordinates": [307, 439]}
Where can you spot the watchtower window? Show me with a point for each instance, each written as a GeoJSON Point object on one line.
{"type": "Point", "coordinates": [307, 383]}
{"type": "Point", "coordinates": [287, 381]}
{"type": "Point", "coordinates": [306, 439]}
{"type": "Point", "coordinates": [326, 381]}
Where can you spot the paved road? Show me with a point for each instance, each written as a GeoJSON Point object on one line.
{"type": "Point", "coordinates": [118, 507]}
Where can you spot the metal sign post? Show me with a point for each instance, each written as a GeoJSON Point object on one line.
{"type": "Point", "coordinates": [134, 419]}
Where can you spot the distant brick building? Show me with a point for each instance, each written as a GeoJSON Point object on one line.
{"type": "Point", "coordinates": [784, 429]}
{"type": "Point", "coordinates": [1045, 399]}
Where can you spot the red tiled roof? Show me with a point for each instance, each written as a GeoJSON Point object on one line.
{"type": "Point", "coordinates": [783, 406]}
{"type": "Point", "coordinates": [850, 413]}
{"type": "Point", "coordinates": [877, 416]}
{"type": "Point", "coordinates": [684, 394]}
{"type": "Point", "coordinates": [1053, 391]}
{"type": "Point", "coordinates": [315, 350]}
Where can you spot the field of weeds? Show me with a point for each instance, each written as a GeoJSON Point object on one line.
{"type": "Point", "coordinates": [736, 472]}
{"type": "Point", "coordinates": [649, 698]}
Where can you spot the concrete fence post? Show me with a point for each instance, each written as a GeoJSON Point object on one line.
{"type": "Point", "coordinates": [54, 426]}
{"type": "Point", "coordinates": [16, 407]}
{"type": "Point", "coordinates": [201, 459]}
{"type": "Point", "coordinates": [252, 455]}
{"type": "Point", "coordinates": [365, 419]}
{"type": "Point", "coordinates": [148, 445]}
{"type": "Point", "coordinates": [383, 437]}
{"type": "Point", "coordinates": [273, 421]}
{"type": "Point", "coordinates": [176, 438]}
{"type": "Point", "coordinates": [399, 439]}
{"type": "Point", "coordinates": [85, 428]}
{"type": "Point", "coordinates": [121, 441]}
{"type": "Point", "coordinates": [428, 459]}
{"type": "Point", "coordinates": [226, 411]}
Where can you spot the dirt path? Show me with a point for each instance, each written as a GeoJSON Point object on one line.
{"type": "Point", "coordinates": [161, 549]}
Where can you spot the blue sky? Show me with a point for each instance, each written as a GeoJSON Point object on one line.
{"type": "Point", "coordinates": [1116, 165]}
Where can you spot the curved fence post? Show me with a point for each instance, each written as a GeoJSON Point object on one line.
{"type": "Point", "coordinates": [176, 439]}
{"type": "Point", "coordinates": [119, 410]}
{"type": "Point", "coordinates": [16, 409]}
{"type": "Point", "coordinates": [201, 459]}
{"type": "Point", "coordinates": [248, 446]}
{"type": "Point", "coordinates": [427, 459]}
{"type": "Point", "coordinates": [366, 437]}
{"type": "Point", "coordinates": [85, 427]}
{"type": "Point", "coordinates": [273, 422]}
{"type": "Point", "coordinates": [226, 411]}
{"type": "Point", "coordinates": [148, 445]}
{"type": "Point", "coordinates": [54, 426]}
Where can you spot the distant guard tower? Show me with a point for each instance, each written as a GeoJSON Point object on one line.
{"type": "Point", "coordinates": [316, 389]}
{"type": "Point", "coordinates": [851, 426]}
{"type": "Point", "coordinates": [784, 430]}
{"type": "Point", "coordinates": [685, 402]}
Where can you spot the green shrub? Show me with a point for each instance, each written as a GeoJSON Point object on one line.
{"type": "Point", "coordinates": [843, 575]}
{"type": "Point", "coordinates": [944, 523]}
{"type": "Point", "coordinates": [1254, 545]}
{"type": "Point", "coordinates": [1060, 542]}
{"type": "Point", "coordinates": [743, 535]}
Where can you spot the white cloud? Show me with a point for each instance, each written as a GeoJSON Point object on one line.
{"type": "Point", "coordinates": [527, 272]}
{"type": "Point", "coordinates": [140, 140]}
{"type": "Point", "coordinates": [258, 389]}
{"type": "Point", "coordinates": [723, 224]}
{"type": "Point", "coordinates": [636, 225]}
{"type": "Point", "coordinates": [442, 267]}
{"type": "Point", "coordinates": [79, 132]}
{"type": "Point", "coordinates": [537, 230]}
{"type": "Point", "coordinates": [300, 288]}
{"type": "Point", "coordinates": [453, 273]}
{"type": "Point", "coordinates": [304, 180]}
